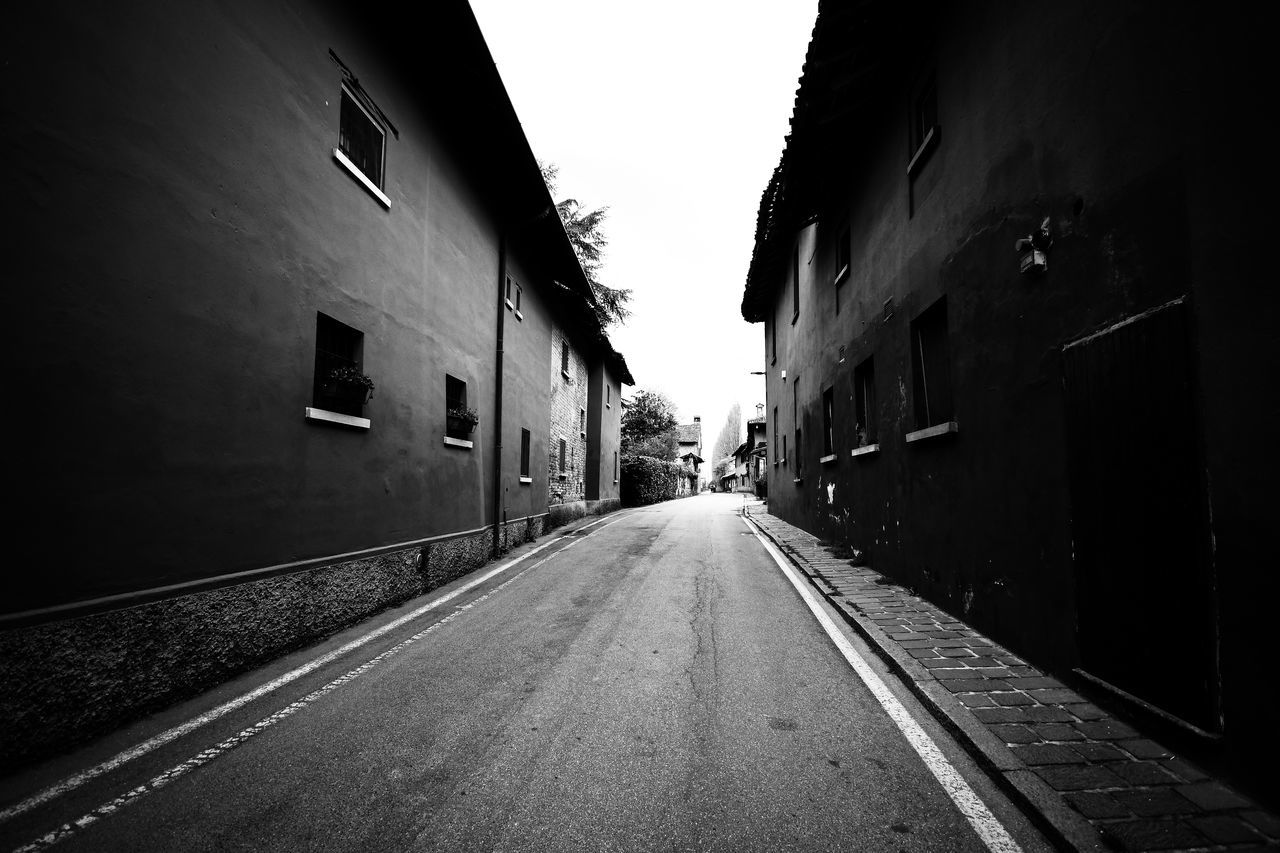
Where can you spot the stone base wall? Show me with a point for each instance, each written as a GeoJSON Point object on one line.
{"type": "Point", "coordinates": [564, 513]}
{"type": "Point", "coordinates": [65, 682]}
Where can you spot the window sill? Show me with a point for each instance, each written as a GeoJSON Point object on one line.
{"type": "Point", "coordinates": [842, 275]}
{"type": "Point", "coordinates": [798, 480]}
{"type": "Point", "coordinates": [865, 450]}
{"type": "Point", "coordinates": [511, 306]}
{"type": "Point", "coordinates": [933, 431]}
{"type": "Point", "coordinates": [922, 153]}
{"type": "Point", "coordinates": [362, 178]}
{"type": "Point", "coordinates": [565, 374]}
{"type": "Point", "coordinates": [526, 480]}
{"type": "Point", "coordinates": [450, 441]}
{"type": "Point", "coordinates": [827, 460]}
{"type": "Point", "coordinates": [326, 416]}
{"type": "Point", "coordinates": [794, 317]}
{"type": "Point", "coordinates": [519, 316]}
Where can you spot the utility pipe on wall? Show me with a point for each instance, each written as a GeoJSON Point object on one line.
{"type": "Point", "coordinates": [497, 403]}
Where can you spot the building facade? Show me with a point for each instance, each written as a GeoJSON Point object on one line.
{"type": "Point", "coordinates": [1011, 323]}
{"type": "Point", "coordinates": [235, 218]}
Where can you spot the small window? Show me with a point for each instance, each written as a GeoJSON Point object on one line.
{"type": "Point", "coordinates": [582, 422]}
{"type": "Point", "coordinates": [458, 423]}
{"type": "Point", "coordinates": [795, 420]}
{"type": "Point", "coordinates": [524, 452]}
{"type": "Point", "coordinates": [784, 450]}
{"type": "Point", "coordinates": [775, 435]}
{"type": "Point", "coordinates": [562, 456]}
{"type": "Point", "coordinates": [615, 466]}
{"type": "Point", "coordinates": [842, 255]}
{"type": "Point", "coordinates": [339, 351]}
{"type": "Point", "coordinates": [923, 124]}
{"type": "Point", "coordinates": [795, 283]}
{"type": "Point", "coordinates": [361, 138]}
{"type": "Point", "coordinates": [828, 417]}
{"type": "Point", "coordinates": [931, 367]}
{"type": "Point", "coordinates": [564, 357]}
{"type": "Point", "coordinates": [864, 390]}
{"type": "Point", "coordinates": [773, 340]}
{"type": "Point", "coordinates": [511, 287]}
{"type": "Point", "coordinates": [519, 291]}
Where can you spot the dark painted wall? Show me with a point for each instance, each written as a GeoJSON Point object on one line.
{"type": "Point", "coordinates": [171, 180]}
{"type": "Point", "coordinates": [1116, 122]}
{"type": "Point", "coordinates": [604, 420]}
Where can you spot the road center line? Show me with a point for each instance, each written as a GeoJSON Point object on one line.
{"type": "Point", "coordinates": [986, 824]}
{"type": "Point", "coordinates": [204, 757]}
{"type": "Point", "coordinates": [73, 782]}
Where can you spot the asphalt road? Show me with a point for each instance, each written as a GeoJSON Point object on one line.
{"type": "Point", "coordinates": [650, 682]}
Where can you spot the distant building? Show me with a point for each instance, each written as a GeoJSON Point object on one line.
{"type": "Point", "coordinates": [216, 235]}
{"type": "Point", "coordinates": [1020, 336]}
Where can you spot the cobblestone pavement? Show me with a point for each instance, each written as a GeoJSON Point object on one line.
{"type": "Point", "coordinates": [1095, 781]}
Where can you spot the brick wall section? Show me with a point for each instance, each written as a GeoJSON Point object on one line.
{"type": "Point", "coordinates": [568, 399]}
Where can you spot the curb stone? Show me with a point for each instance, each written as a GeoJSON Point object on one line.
{"type": "Point", "coordinates": [1088, 780]}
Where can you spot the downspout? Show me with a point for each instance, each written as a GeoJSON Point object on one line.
{"type": "Point", "coordinates": [497, 401]}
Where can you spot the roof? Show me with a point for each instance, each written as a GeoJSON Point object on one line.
{"type": "Point", "coordinates": [847, 58]}
{"type": "Point", "coordinates": [694, 456]}
{"type": "Point", "coordinates": [689, 433]}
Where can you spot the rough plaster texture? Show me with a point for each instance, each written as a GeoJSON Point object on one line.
{"type": "Point", "coordinates": [568, 402]}
{"type": "Point", "coordinates": [64, 682]}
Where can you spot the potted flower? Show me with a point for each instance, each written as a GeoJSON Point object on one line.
{"type": "Point", "coordinates": [350, 385]}
{"type": "Point", "coordinates": [461, 420]}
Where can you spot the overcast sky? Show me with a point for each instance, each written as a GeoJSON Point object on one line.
{"type": "Point", "coordinates": [673, 115]}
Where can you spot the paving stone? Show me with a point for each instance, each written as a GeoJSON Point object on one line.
{"type": "Point", "coordinates": [1106, 730]}
{"type": "Point", "coordinates": [956, 653]}
{"type": "Point", "coordinates": [924, 643]}
{"type": "Point", "coordinates": [967, 674]}
{"type": "Point", "coordinates": [991, 716]}
{"type": "Point", "coordinates": [1143, 773]}
{"type": "Point", "coordinates": [944, 635]}
{"type": "Point", "coordinates": [976, 700]}
{"type": "Point", "coordinates": [1010, 699]}
{"type": "Point", "coordinates": [922, 654]}
{"type": "Point", "coordinates": [945, 663]}
{"type": "Point", "coordinates": [1085, 711]}
{"type": "Point", "coordinates": [1059, 696]}
{"type": "Point", "coordinates": [984, 662]}
{"type": "Point", "coordinates": [1078, 777]}
{"type": "Point", "coordinates": [1011, 660]}
{"type": "Point", "coordinates": [971, 685]}
{"type": "Point", "coordinates": [1012, 734]}
{"type": "Point", "coordinates": [1096, 804]}
{"type": "Point", "coordinates": [1152, 835]}
{"type": "Point", "coordinates": [1184, 770]}
{"type": "Point", "coordinates": [1098, 751]}
{"type": "Point", "coordinates": [1225, 829]}
{"type": "Point", "coordinates": [1212, 796]}
{"type": "Point", "coordinates": [1155, 802]}
{"type": "Point", "coordinates": [1057, 731]}
{"type": "Point", "coordinates": [1143, 748]}
{"type": "Point", "coordinates": [951, 644]}
{"type": "Point", "coordinates": [1047, 753]}
{"type": "Point", "coordinates": [1264, 821]}
{"type": "Point", "coordinates": [1037, 682]}
{"type": "Point", "coordinates": [1047, 714]}
{"type": "Point", "coordinates": [912, 637]}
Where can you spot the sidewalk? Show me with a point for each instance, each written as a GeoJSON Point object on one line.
{"type": "Point", "coordinates": [1091, 781]}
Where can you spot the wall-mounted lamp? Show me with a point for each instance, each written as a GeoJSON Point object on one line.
{"type": "Point", "coordinates": [1034, 250]}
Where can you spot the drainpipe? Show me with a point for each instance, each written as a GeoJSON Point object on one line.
{"type": "Point", "coordinates": [497, 402]}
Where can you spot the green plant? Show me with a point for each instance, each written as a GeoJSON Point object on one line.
{"type": "Point", "coordinates": [462, 413]}
{"type": "Point", "coordinates": [350, 376]}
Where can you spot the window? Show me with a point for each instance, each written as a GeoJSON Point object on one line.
{"type": "Point", "coordinates": [519, 293]}
{"type": "Point", "coordinates": [923, 124]}
{"type": "Point", "coordinates": [864, 392]}
{"type": "Point", "coordinates": [795, 283]}
{"type": "Point", "coordinates": [773, 340]}
{"type": "Point", "coordinates": [564, 358]}
{"type": "Point", "coordinates": [608, 396]}
{"type": "Point", "coordinates": [338, 346]}
{"type": "Point", "coordinates": [615, 466]}
{"type": "Point", "coordinates": [931, 367]}
{"type": "Point", "coordinates": [842, 255]}
{"type": "Point", "coordinates": [524, 454]}
{"type": "Point", "coordinates": [361, 143]}
{"type": "Point", "coordinates": [511, 287]}
{"type": "Point", "coordinates": [795, 419]}
{"type": "Point", "coordinates": [562, 458]}
{"type": "Point", "coordinates": [455, 401]}
{"type": "Point", "coordinates": [775, 435]}
{"type": "Point", "coordinates": [582, 422]}
{"type": "Point", "coordinates": [828, 416]}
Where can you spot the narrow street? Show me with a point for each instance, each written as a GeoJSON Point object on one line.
{"type": "Point", "coordinates": [649, 680]}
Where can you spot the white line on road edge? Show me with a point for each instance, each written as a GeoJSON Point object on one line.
{"type": "Point", "coordinates": [73, 782]}
{"type": "Point", "coordinates": [986, 824]}
{"type": "Point", "coordinates": [204, 757]}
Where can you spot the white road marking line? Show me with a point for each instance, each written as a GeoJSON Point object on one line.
{"type": "Point", "coordinates": [986, 824]}
{"type": "Point", "coordinates": [73, 782]}
{"type": "Point", "coordinates": [207, 755]}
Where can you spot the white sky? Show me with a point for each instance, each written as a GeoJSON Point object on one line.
{"type": "Point", "coordinates": [673, 115]}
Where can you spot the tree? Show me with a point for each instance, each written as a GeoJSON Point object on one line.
{"type": "Point", "coordinates": [649, 424]}
{"type": "Point", "coordinates": [587, 237]}
{"type": "Point", "coordinates": [730, 434]}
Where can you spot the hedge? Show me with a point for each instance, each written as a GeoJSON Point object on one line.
{"type": "Point", "coordinates": [646, 480]}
